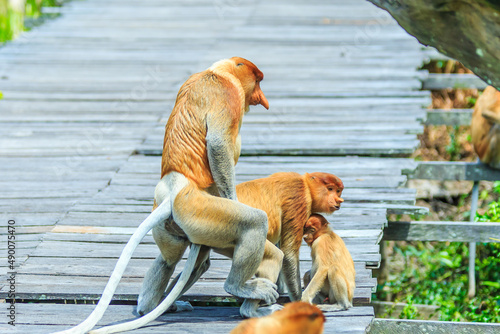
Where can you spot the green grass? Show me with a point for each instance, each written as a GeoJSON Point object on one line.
{"type": "Point", "coordinates": [436, 273]}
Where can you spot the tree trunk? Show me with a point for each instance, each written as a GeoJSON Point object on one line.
{"type": "Point", "coordinates": [467, 31]}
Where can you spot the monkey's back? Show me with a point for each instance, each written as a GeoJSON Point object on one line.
{"type": "Point", "coordinates": [483, 138]}
{"type": "Point", "coordinates": [185, 145]}
{"type": "Point", "coordinates": [336, 256]}
{"type": "Point", "coordinates": [283, 196]}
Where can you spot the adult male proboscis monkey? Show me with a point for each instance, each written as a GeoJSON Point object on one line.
{"type": "Point", "coordinates": [485, 127]}
{"type": "Point", "coordinates": [288, 199]}
{"type": "Point", "coordinates": [197, 188]}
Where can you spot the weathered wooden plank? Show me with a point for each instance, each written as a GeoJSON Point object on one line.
{"type": "Point", "coordinates": [442, 231]}
{"type": "Point", "coordinates": [393, 326]}
{"type": "Point", "coordinates": [44, 318]}
{"type": "Point", "coordinates": [451, 80]}
{"type": "Point", "coordinates": [458, 171]}
{"type": "Point", "coordinates": [454, 117]}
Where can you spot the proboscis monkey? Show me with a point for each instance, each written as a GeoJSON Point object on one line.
{"type": "Point", "coordinates": [288, 199]}
{"type": "Point", "coordinates": [295, 318]}
{"type": "Point", "coordinates": [332, 274]}
{"type": "Point", "coordinates": [485, 127]}
{"type": "Point", "coordinates": [197, 189]}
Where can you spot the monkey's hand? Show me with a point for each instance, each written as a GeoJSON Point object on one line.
{"type": "Point", "coordinates": [256, 288]}
{"type": "Point", "coordinates": [221, 160]}
{"type": "Point", "coordinates": [491, 116]}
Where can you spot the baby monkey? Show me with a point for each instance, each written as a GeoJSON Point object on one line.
{"type": "Point", "coordinates": [332, 273]}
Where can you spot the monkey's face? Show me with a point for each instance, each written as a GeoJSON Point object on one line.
{"type": "Point", "coordinates": [250, 77]}
{"type": "Point", "coordinates": [309, 235]}
{"type": "Point", "coordinates": [327, 193]}
{"type": "Point", "coordinates": [314, 225]}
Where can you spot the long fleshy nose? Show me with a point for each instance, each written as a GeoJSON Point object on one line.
{"type": "Point", "coordinates": [264, 101]}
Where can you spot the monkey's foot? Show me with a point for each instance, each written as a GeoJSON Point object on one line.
{"type": "Point", "coordinates": [250, 309]}
{"type": "Point", "coordinates": [331, 307]}
{"type": "Point", "coordinates": [267, 310]}
{"type": "Point", "coordinates": [180, 306]}
{"type": "Point", "coordinates": [147, 304]}
{"type": "Point", "coordinates": [256, 288]}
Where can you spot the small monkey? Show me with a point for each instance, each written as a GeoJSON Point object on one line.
{"type": "Point", "coordinates": [332, 274]}
{"type": "Point", "coordinates": [197, 189]}
{"type": "Point", "coordinates": [485, 127]}
{"type": "Point", "coordinates": [295, 318]}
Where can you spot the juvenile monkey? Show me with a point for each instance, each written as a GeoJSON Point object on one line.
{"type": "Point", "coordinates": [288, 199]}
{"type": "Point", "coordinates": [197, 190]}
{"type": "Point", "coordinates": [485, 127]}
{"type": "Point", "coordinates": [295, 318]}
{"type": "Point", "coordinates": [332, 270]}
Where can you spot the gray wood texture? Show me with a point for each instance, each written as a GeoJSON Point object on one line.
{"type": "Point", "coordinates": [454, 117]}
{"type": "Point", "coordinates": [87, 95]}
{"type": "Point", "coordinates": [442, 231]}
{"type": "Point", "coordinates": [452, 170]}
{"type": "Point", "coordinates": [394, 326]}
{"type": "Point", "coordinates": [436, 81]}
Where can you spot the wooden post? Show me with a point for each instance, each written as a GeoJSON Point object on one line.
{"type": "Point", "coordinates": [472, 245]}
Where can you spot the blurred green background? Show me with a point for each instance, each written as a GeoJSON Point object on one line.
{"type": "Point", "coordinates": [17, 16]}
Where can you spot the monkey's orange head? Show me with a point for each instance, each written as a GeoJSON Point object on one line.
{"type": "Point", "coordinates": [326, 190]}
{"type": "Point", "coordinates": [314, 224]}
{"type": "Point", "coordinates": [250, 77]}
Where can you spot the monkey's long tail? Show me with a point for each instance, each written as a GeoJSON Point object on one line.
{"type": "Point", "coordinates": [163, 211]}
{"type": "Point", "coordinates": [164, 305]}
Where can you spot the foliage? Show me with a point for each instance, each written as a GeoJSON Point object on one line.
{"type": "Point", "coordinates": [453, 149]}
{"type": "Point", "coordinates": [435, 273]}
{"type": "Point", "coordinates": [12, 22]}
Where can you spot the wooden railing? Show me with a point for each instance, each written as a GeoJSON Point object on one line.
{"type": "Point", "coordinates": [470, 232]}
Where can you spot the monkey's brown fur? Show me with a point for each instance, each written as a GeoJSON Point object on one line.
{"type": "Point", "coordinates": [295, 318]}
{"type": "Point", "coordinates": [485, 127]}
{"type": "Point", "coordinates": [289, 199]}
{"type": "Point", "coordinates": [332, 274]}
{"type": "Point", "coordinates": [209, 94]}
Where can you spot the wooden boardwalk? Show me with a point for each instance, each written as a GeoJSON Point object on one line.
{"type": "Point", "coordinates": [86, 98]}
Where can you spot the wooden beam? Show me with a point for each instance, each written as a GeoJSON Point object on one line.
{"type": "Point", "coordinates": [436, 81]}
{"type": "Point", "coordinates": [448, 117]}
{"type": "Point", "coordinates": [396, 326]}
{"type": "Point", "coordinates": [457, 171]}
{"type": "Point", "coordinates": [442, 231]}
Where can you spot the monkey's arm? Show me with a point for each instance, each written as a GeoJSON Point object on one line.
{"type": "Point", "coordinates": [491, 116]}
{"type": "Point", "coordinates": [315, 285]}
{"type": "Point", "coordinates": [220, 150]}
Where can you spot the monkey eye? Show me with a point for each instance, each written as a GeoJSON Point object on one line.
{"type": "Point", "coordinates": [330, 189]}
{"type": "Point", "coordinates": [240, 64]}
